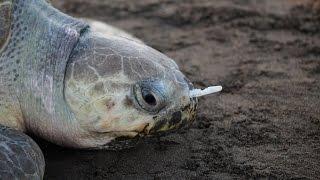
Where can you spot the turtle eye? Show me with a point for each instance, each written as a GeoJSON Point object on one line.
{"type": "Point", "coordinates": [149, 96]}
{"type": "Point", "coordinates": [149, 99]}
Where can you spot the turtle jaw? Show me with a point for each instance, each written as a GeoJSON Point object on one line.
{"type": "Point", "coordinates": [162, 125]}
{"type": "Point", "coordinates": [174, 121]}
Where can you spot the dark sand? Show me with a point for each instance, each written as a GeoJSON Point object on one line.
{"type": "Point", "coordinates": [266, 123]}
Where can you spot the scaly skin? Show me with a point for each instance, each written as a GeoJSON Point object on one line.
{"type": "Point", "coordinates": [20, 156]}
{"type": "Point", "coordinates": [32, 65]}
{"type": "Point", "coordinates": [5, 19]}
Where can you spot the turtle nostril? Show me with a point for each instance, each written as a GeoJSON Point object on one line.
{"type": "Point", "coordinates": [150, 99]}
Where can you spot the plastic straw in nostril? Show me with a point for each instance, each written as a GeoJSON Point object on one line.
{"type": "Point", "coordinates": [206, 91]}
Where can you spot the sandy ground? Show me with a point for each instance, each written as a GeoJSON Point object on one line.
{"type": "Point", "coordinates": [265, 124]}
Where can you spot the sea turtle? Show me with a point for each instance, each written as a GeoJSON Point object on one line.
{"type": "Point", "coordinates": [63, 82]}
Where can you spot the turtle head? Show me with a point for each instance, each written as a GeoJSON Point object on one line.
{"type": "Point", "coordinates": [120, 90]}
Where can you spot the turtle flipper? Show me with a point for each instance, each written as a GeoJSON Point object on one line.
{"type": "Point", "coordinates": [5, 21]}
{"type": "Point", "coordinates": [20, 156]}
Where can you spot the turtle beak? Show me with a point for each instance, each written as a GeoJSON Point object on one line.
{"type": "Point", "coordinates": [186, 115]}
{"type": "Point", "coordinates": [176, 120]}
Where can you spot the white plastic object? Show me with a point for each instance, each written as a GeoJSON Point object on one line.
{"type": "Point", "coordinates": [206, 91]}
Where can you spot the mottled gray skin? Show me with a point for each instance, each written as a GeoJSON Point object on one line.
{"type": "Point", "coordinates": [20, 156]}
{"type": "Point", "coordinates": [31, 54]}
{"type": "Point", "coordinates": [74, 87]}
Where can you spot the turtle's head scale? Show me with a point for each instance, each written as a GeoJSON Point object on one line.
{"type": "Point", "coordinates": [120, 89]}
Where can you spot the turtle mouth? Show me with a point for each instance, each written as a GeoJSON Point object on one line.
{"type": "Point", "coordinates": [163, 126]}
{"type": "Point", "coordinates": [178, 120]}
